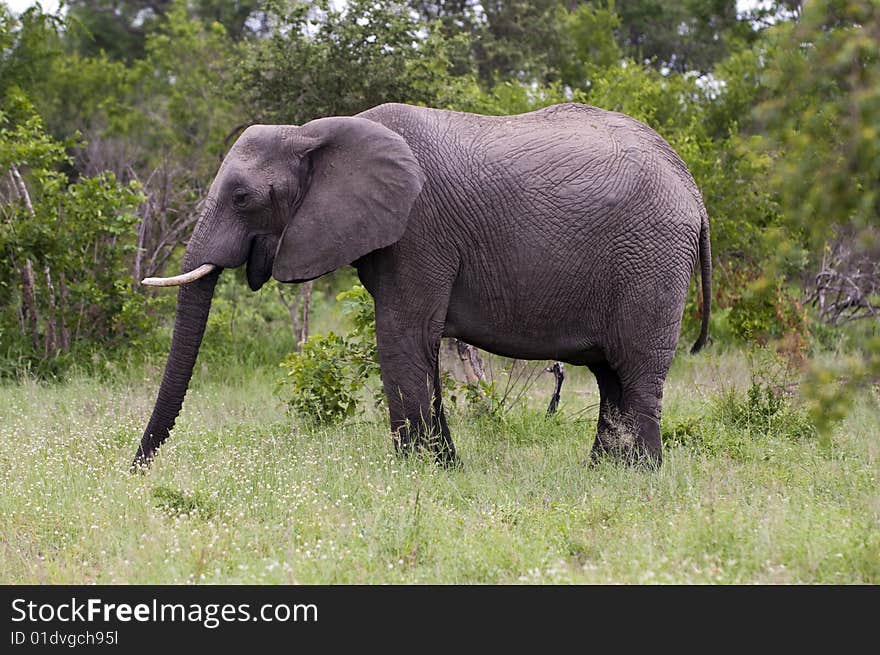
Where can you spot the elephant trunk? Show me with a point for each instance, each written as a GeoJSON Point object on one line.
{"type": "Point", "coordinates": [193, 305]}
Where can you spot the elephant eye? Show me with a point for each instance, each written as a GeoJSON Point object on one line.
{"type": "Point", "coordinates": [240, 198]}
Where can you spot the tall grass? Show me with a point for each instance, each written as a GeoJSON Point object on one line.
{"type": "Point", "coordinates": [242, 494]}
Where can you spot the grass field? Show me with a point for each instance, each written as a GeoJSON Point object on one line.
{"type": "Point", "coordinates": [241, 494]}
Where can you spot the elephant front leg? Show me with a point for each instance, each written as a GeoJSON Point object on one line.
{"type": "Point", "coordinates": [411, 379]}
{"type": "Point", "coordinates": [445, 449]}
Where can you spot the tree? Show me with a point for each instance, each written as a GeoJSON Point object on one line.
{"type": "Point", "coordinates": [336, 62]}
{"type": "Point", "coordinates": [117, 28]}
{"type": "Point", "coordinates": [507, 39]}
{"type": "Point", "coordinates": [681, 35]}
{"type": "Point", "coordinates": [121, 28]}
{"type": "Point", "coordinates": [162, 120]}
{"type": "Point", "coordinates": [589, 44]}
{"type": "Point", "coordinates": [63, 281]}
{"type": "Point", "coordinates": [29, 46]}
{"type": "Point", "coordinates": [820, 116]}
{"type": "Point", "coordinates": [818, 120]}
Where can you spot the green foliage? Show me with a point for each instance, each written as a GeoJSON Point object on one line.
{"type": "Point", "coordinates": [321, 384]}
{"type": "Point", "coordinates": [357, 304]}
{"type": "Point", "coordinates": [361, 353]}
{"type": "Point", "coordinates": [831, 390]}
{"type": "Point", "coordinates": [303, 69]}
{"type": "Point", "coordinates": [748, 422]}
{"type": "Point", "coordinates": [551, 40]}
{"type": "Point", "coordinates": [510, 40]}
{"type": "Point", "coordinates": [590, 43]}
{"type": "Point", "coordinates": [681, 35]}
{"type": "Point", "coordinates": [183, 82]}
{"type": "Point", "coordinates": [766, 310]}
{"type": "Point", "coordinates": [767, 408]}
{"type": "Point", "coordinates": [687, 431]}
{"type": "Point", "coordinates": [518, 40]}
{"type": "Point", "coordinates": [776, 124]}
{"type": "Point", "coordinates": [180, 504]}
{"type": "Point", "coordinates": [323, 381]}
{"type": "Point", "coordinates": [251, 329]}
{"type": "Point", "coordinates": [817, 117]}
{"type": "Point", "coordinates": [121, 29]}
{"type": "Point", "coordinates": [484, 399]}
{"type": "Point", "coordinates": [116, 28]}
{"type": "Point", "coordinates": [157, 125]}
{"type": "Point", "coordinates": [821, 112]}
{"type": "Point", "coordinates": [29, 44]}
{"type": "Point", "coordinates": [65, 246]}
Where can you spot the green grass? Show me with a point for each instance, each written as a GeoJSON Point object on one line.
{"type": "Point", "coordinates": [240, 494]}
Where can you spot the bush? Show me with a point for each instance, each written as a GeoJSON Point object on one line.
{"type": "Point", "coordinates": [325, 379]}
{"type": "Point", "coordinates": [767, 408]}
{"type": "Point", "coordinates": [768, 310]}
{"type": "Point", "coordinates": [322, 383]}
{"type": "Point", "coordinates": [66, 291]}
{"type": "Point", "coordinates": [685, 431]}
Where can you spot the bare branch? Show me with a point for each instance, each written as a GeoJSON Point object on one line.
{"type": "Point", "coordinates": [847, 282]}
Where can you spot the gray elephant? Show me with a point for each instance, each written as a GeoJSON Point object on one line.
{"type": "Point", "coordinates": [568, 233]}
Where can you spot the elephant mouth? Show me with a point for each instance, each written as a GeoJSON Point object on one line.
{"type": "Point", "coordinates": [259, 260]}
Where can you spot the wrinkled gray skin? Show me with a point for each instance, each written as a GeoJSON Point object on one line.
{"type": "Point", "coordinates": [568, 233]}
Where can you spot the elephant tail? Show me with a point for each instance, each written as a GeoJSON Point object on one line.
{"type": "Point", "coordinates": [706, 278]}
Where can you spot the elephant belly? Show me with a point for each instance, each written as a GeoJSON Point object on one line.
{"type": "Point", "coordinates": [535, 304]}
{"type": "Point", "coordinates": [538, 328]}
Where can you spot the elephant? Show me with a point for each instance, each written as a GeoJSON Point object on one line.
{"type": "Point", "coordinates": [569, 233]}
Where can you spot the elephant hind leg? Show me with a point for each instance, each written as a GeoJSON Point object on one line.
{"type": "Point", "coordinates": [629, 416]}
{"type": "Point", "coordinates": [610, 395]}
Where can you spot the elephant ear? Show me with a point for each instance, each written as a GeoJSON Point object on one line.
{"type": "Point", "coordinates": [364, 181]}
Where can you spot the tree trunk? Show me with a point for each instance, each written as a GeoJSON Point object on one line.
{"type": "Point", "coordinates": [299, 309]}
{"type": "Point", "coordinates": [306, 312]}
{"type": "Point", "coordinates": [30, 316]}
{"type": "Point", "coordinates": [64, 328]}
{"type": "Point", "coordinates": [293, 310]}
{"type": "Point", "coordinates": [29, 302]}
{"type": "Point", "coordinates": [474, 370]}
{"type": "Point", "coordinates": [51, 341]}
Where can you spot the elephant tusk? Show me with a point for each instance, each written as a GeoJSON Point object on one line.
{"type": "Point", "coordinates": [192, 276]}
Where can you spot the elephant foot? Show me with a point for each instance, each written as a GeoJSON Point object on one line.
{"type": "Point", "coordinates": [636, 456]}
{"type": "Point", "coordinates": [442, 449]}
{"type": "Point", "coordinates": [404, 447]}
{"type": "Point", "coordinates": [141, 462]}
{"type": "Point", "coordinates": [634, 441]}
{"type": "Point", "coordinates": [446, 456]}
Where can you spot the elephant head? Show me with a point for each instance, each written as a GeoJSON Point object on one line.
{"type": "Point", "coordinates": [293, 203]}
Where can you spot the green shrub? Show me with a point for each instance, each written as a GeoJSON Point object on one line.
{"type": "Point", "coordinates": [324, 381]}
{"type": "Point", "coordinates": [178, 503]}
{"type": "Point", "coordinates": [767, 407]}
{"type": "Point", "coordinates": [767, 311]}
{"type": "Point", "coordinates": [358, 307]}
{"type": "Point", "coordinates": [66, 293]}
{"type": "Point", "coordinates": [484, 398]}
{"type": "Point", "coordinates": [682, 431]}
{"type": "Point", "coordinates": [323, 385]}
